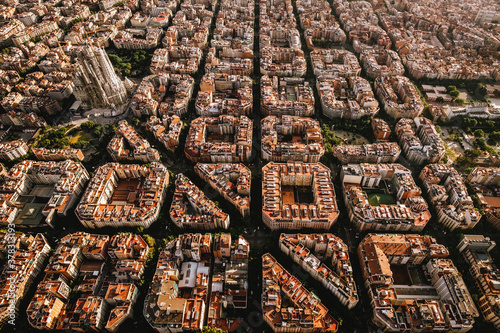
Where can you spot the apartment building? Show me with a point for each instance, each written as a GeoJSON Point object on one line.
{"type": "Point", "coordinates": [350, 97]}
{"type": "Point", "coordinates": [381, 62]}
{"type": "Point", "coordinates": [39, 105]}
{"type": "Point", "coordinates": [45, 154]}
{"type": "Point", "coordinates": [123, 295]}
{"type": "Point", "coordinates": [192, 209]}
{"type": "Point", "coordinates": [140, 20]}
{"type": "Point", "coordinates": [188, 268]}
{"type": "Point", "coordinates": [282, 62]}
{"type": "Point", "coordinates": [68, 178]}
{"type": "Point", "coordinates": [485, 182]}
{"type": "Point", "coordinates": [219, 139]}
{"type": "Point", "coordinates": [8, 78]}
{"type": "Point", "coordinates": [402, 209]}
{"type": "Point", "coordinates": [106, 293]}
{"type": "Point", "coordinates": [24, 264]}
{"type": "Point", "coordinates": [7, 13]}
{"type": "Point", "coordinates": [382, 152]}
{"type": "Point", "coordinates": [335, 274]}
{"type": "Point", "coordinates": [21, 119]}
{"type": "Point", "coordinates": [419, 140]}
{"type": "Point", "coordinates": [279, 36]}
{"type": "Point", "coordinates": [381, 130]}
{"type": "Point", "coordinates": [49, 302]}
{"type": "Point", "coordinates": [105, 4]}
{"type": "Point", "coordinates": [399, 308]}
{"type": "Point", "coordinates": [140, 148]}
{"type": "Point", "coordinates": [368, 37]}
{"type": "Point", "coordinates": [487, 16]}
{"type": "Point", "coordinates": [231, 180]}
{"type": "Point", "coordinates": [190, 26]}
{"type": "Point", "coordinates": [34, 31]}
{"type": "Point", "coordinates": [123, 195]}
{"type": "Point", "coordinates": [365, 36]}
{"type": "Point", "coordinates": [448, 194]}
{"type": "Point", "coordinates": [278, 27]}
{"type": "Point", "coordinates": [12, 150]}
{"type": "Point", "coordinates": [231, 47]}
{"type": "Point", "coordinates": [282, 205]}
{"type": "Point", "coordinates": [461, 52]}
{"type": "Point", "coordinates": [138, 39]}
{"type": "Point", "coordinates": [89, 312]}
{"type": "Point", "coordinates": [321, 28]}
{"type": "Point", "coordinates": [9, 29]}
{"type": "Point", "coordinates": [286, 96]}
{"type": "Point", "coordinates": [476, 251]}
{"type": "Point", "coordinates": [229, 281]}
{"type": "Point", "coordinates": [176, 60]}
{"type": "Point", "coordinates": [224, 59]}
{"type": "Point", "coordinates": [20, 61]}
{"type": "Point", "coordinates": [277, 13]}
{"type": "Point", "coordinates": [335, 62]}
{"type": "Point", "coordinates": [399, 97]}
{"type": "Point", "coordinates": [167, 130]}
{"type": "Point", "coordinates": [55, 85]}
{"type": "Point", "coordinates": [162, 94]}
{"type": "Point", "coordinates": [360, 23]}
{"type": "Point", "coordinates": [100, 28]}
{"type": "Point", "coordinates": [291, 138]}
{"type": "Point", "coordinates": [224, 94]}
{"type": "Point", "coordinates": [126, 246]}
{"type": "Point", "coordinates": [56, 59]}
{"type": "Point", "coordinates": [234, 27]}
{"type": "Point", "coordinates": [307, 311]}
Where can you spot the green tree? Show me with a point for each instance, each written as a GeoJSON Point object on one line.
{"type": "Point", "coordinates": [150, 240]}
{"type": "Point", "coordinates": [97, 131]}
{"type": "Point", "coordinates": [495, 136]}
{"type": "Point", "coordinates": [459, 101]}
{"type": "Point", "coordinates": [479, 133]}
{"type": "Point", "coordinates": [88, 125]}
{"type": "Point", "coordinates": [473, 153]}
{"type": "Point", "coordinates": [328, 148]}
{"type": "Point", "coordinates": [470, 122]}
{"type": "Point", "coordinates": [167, 240]}
{"type": "Point", "coordinates": [451, 88]}
{"type": "Point", "coordinates": [454, 93]}
{"type": "Point", "coordinates": [490, 124]}
{"type": "Point", "coordinates": [484, 146]}
{"type": "Point", "coordinates": [481, 89]}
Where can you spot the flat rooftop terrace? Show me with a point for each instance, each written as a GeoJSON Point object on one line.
{"type": "Point", "coordinates": [493, 201]}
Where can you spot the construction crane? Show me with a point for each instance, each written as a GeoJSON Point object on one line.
{"type": "Point", "coordinates": [62, 51]}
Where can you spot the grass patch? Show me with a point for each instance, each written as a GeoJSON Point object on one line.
{"type": "Point", "coordinates": [377, 199]}
{"type": "Point", "coordinates": [81, 135]}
